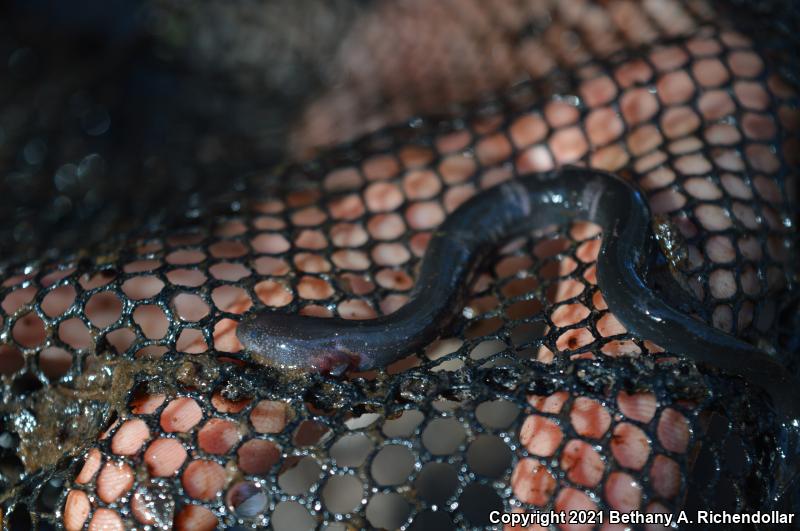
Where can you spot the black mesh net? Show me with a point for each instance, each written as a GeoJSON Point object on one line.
{"type": "Point", "coordinates": [129, 403]}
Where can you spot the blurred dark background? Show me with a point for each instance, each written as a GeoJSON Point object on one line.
{"type": "Point", "coordinates": [102, 127]}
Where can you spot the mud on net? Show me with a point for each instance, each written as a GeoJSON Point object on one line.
{"type": "Point", "coordinates": [130, 404]}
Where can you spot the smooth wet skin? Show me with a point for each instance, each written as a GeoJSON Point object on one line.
{"type": "Point", "coordinates": [466, 239]}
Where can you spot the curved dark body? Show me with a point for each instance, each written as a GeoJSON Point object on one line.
{"type": "Point", "coordinates": [465, 240]}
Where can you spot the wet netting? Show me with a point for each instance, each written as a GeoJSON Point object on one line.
{"type": "Point", "coordinates": [129, 403]}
